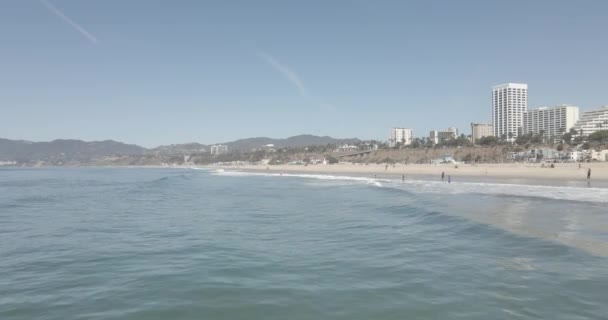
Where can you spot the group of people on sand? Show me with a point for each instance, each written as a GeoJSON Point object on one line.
{"type": "Point", "coordinates": [450, 177]}
{"type": "Point", "coordinates": [443, 177]}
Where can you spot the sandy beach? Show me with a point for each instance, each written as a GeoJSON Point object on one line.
{"type": "Point", "coordinates": [567, 173]}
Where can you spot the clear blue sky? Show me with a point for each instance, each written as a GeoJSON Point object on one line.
{"type": "Point", "coordinates": [161, 72]}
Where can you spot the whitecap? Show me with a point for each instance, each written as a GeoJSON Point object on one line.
{"type": "Point", "coordinates": [422, 186]}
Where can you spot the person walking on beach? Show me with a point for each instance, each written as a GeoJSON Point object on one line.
{"type": "Point", "coordinates": [403, 177]}
{"type": "Point", "coordinates": [589, 174]}
{"type": "Point", "coordinates": [449, 179]}
{"type": "Point", "coordinates": [442, 176]}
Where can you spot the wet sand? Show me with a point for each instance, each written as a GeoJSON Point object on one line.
{"type": "Point", "coordinates": [562, 175]}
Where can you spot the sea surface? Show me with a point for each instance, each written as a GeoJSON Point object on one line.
{"type": "Point", "coordinates": [121, 243]}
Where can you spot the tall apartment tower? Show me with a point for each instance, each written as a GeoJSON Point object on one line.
{"type": "Point", "coordinates": [592, 121]}
{"type": "Point", "coordinates": [509, 103]}
{"type": "Point", "coordinates": [552, 122]}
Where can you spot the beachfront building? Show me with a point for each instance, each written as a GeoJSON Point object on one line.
{"type": "Point", "coordinates": [219, 149]}
{"type": "Point", "coordinates": [592, 121]}
{"type": "Point", "coordinates": [536, 155]}
{"type": "Point", "coordinates": [444, 159]}
{"type": "Point", "coordinates": [347, 148]}
{"type": "Point", "coordinates": [400, 136]}
{"type": "Point", "coordinates": [587, 155]}
{"type": "Point", "coordinates": [575, 156]}
{"type": "Point", "coordinates": [269, 148]}
{"type": "Point", "coordinates": [552, 122]}
{"type": "Point", "coordinates": [443, 136]}
{"type": "Point", "coordinates": [480, 130]}
{"type": "Point", "coordinates": [509, 103]}
{"type": "Point", "coordinates": [367, 146]}
{"type": "Point", "coordinates": [599, 155]}
{"type": "Point", "coordinates": [8, 163]}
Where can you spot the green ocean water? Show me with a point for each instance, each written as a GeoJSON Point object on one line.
{"type": "Point", "coordinates": [101, 243]}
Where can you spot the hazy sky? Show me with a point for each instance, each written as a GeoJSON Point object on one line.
{"type": "Point", "coordinates": [161, 72]}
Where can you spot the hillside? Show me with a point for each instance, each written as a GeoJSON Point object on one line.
{"type": "Point", "coordinates": [64, 152]}
{"type": "Point", "coordinates": [27, 151]}
{"type": "Point", "coordinates": [291, 142]}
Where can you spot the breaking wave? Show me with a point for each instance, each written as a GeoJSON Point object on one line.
{"type": "Point", "coordinates": [421, 186]}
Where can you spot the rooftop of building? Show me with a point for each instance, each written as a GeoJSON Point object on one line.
{"type": "Point", "coordinates": [511, 85]}
{"type": "Point", "coordinates": [600, 109]}
{"type": "Point", "coordinates": [555, 107]}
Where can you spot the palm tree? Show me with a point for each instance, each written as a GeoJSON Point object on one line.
{"type": "Point", "coordinates": [541, 135]}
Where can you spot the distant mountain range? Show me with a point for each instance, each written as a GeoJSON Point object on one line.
{"type": "Point", "coordinates": [300, 141]}
{"type": "Point", "coordinates": [68, 149]}
{"type": "Point", "coordinates": [78, 151]}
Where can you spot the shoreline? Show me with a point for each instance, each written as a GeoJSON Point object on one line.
{"type": "Point", "coordinates": [564, 174]}
{"type": "Point", "coordinates": [567, 175]}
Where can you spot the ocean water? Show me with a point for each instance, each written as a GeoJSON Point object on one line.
{"type": "Point", "coordinates": [102, 243]}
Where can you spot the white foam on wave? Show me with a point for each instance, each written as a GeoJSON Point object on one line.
{"type": "Point", "coordinates": [520, 190]}
{"type": "Point", "coordinates": [421, 186]}
{"type": "Point", "coordinates": [199, 168]}
{"type": "Point", "coordinates": [371, 181]}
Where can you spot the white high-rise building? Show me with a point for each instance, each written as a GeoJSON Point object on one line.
{"type": "Point", "coordinates": [553, 122]}
{"type": "Point", "coordinates": [592, 121]}
{"type": "Point", "coordinates": [400, 135]}
{"type": "Point", "coordinates": [509, 102]}
{"type": "Point", "coordinates": [480, 130]}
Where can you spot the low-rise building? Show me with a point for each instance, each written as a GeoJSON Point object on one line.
{"type": "Point", "coordinates": [544, 154]}
{"type": "Point", "coordinates": [536, 155]}
{"type": "Point", "coordinates": [587, 155]}
{"type": "Point", "coordinates": [367, 146]}
{"type": "Point", "coordinates": [444, 159]}
{"type": "Point", "coordinates": [218, 149]}
{"type": "Point", "coordinates": [599, 155]}
{"type": "Point", "coordinates": [269, 148]}
{"type": "Point", "coordinates": [575, 156]}
{"type": "Point", "coordinates": [347, 148]}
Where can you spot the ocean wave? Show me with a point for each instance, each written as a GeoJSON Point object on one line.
{"type": "Point", "coordinates": [518, 190]}
{"type": "Point", "coordinates": [166, 179]}
{"type": "Point", "coordinates": [199, 168]}
{"type": "Point", "coordinates": [370, 181]}
{"type": "Point", "coordinates": [438, 187]}
{"type": "Point", "coordinates": [32, 200]}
